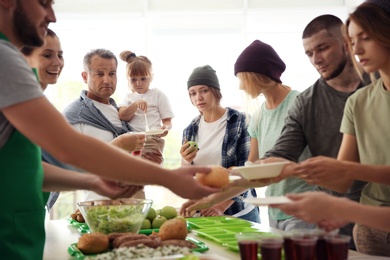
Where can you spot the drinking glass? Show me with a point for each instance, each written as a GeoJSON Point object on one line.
{"type": "Point", "coordinates": [305, 246]}
{"type": "Point", "coordinates": [288, 246]}
{"type": "Point", "coordinates": [337, 247]}
{"type": "Point", "coordinates": [271, 247]}
{"type": "Point", "coordinates": [248, 244]}
{"type": "Point", "coordinates": [321, 251]}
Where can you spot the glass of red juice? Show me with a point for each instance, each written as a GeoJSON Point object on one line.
{"type": "Point", "coordinates": [321, 251]}
{"type": "Point", "coordinates": [248, 243]}
{"type": "Point", "coordinates": [288, 247]}
{"type": "Point", "coordinates": [271, 248]}
{"type": "Point", "coordinates": [305, 246]}
{"type": "Point", "coordinates": [337, 247]}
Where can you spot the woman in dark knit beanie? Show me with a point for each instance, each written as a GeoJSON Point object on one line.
{"type": "Point", "coordinates": [222, 136]}
{"type": "Point", "coordinates": [259, 69]}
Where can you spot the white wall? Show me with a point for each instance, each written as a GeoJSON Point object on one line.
{"type": "Point", "coordinates": [178, 35]}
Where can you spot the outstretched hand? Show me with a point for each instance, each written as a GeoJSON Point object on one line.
{"type": "Point", "coordinates": [313, 207]}
{"type": "Point", "coordinates": [320, 169]}
{"type": "Point", "coordinates": [112, 189]}
{"type": "Point", "coordinates": [130, 141]}
{"type": "Point", "coordinates": [190, 207]}
{"type": "Point", "coordinates": [185, 179]}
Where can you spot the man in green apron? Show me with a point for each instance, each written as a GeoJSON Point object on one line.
{"type": "Point", "coordinates": [24, 107]}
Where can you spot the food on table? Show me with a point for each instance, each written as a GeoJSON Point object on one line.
{"type": "Point", "coordinates": [151, 214]}
{"type": "Point", "coordinates": [77, 216]}
{"type": "Point", "coordinates": [93, 243]}
{"type": "Point", "coordinates": [182, 219]}
{"type": "Point", "coordinates": [176, 237]}
{"type": "Point", "coordinates": [217, 178]}
{"type": "Point", "coordinates": [146, 224]}
{"type": "Point", "coordinates": [158, 221]}
{"type": "Point", "coordinates": [105, 220]}
{"type": "Point", "coordinates": [170, 240]}
{"type": "Point", "coordinates": [168, 212]}
{"type": "Point", "coordinates": [141, 251]}
{"type": "Point", "coordinates": [178, 242]}
{"type": "Point", "coordinates": [128, 240]}
{"type": "Point", "coordinates": [173, 229]}
{"type": "Point", "coordinates": [108, 216]}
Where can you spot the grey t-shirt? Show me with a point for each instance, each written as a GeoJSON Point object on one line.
{"type": "Point", "coordinates": [18, 84]}
{"type": "Point", "coordinates": [314, 120]}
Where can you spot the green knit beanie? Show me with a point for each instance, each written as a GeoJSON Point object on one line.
{"type": "Point", "coordinates": [204, 75]}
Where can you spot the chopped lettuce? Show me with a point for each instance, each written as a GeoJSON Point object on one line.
{"type": "Point", "coordinates": [108, 219]}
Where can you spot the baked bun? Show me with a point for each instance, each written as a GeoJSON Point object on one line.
{"type": "Point", "coordinates": [217, 178]}
{"type": "Point", "coordinates": [93, 243]}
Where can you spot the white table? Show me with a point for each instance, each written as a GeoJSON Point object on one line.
{"type": "Point", "coordinates": [60, 234]}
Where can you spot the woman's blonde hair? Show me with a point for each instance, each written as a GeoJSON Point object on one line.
{"type": "Point", "coordinates": [136, 65]}
{"type": "Point", "coordinates": [254, 82]}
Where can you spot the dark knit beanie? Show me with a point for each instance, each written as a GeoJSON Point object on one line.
{"type": "Point", "coordinates": [261, 58]}
{"type": "Point", "coordinates": [204, 75]}
{"type": "Point", "coordinates": [384, 4]}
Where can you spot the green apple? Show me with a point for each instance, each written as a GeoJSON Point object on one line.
{"type": "Point", "coordinates": [158, 221]}
{"type": "Point", "coordinates": [194, 145]}
{"type": "Point", "coordinates": [146, 224]}
{"type": "Point", "coordinates": [151, 214]}
{"type": "Point", "coordinates": [182, 219]}
{"type": "Point", "coordinates": [168, 212]}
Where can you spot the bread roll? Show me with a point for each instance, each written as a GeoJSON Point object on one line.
{"type": "Point", "coordinates": [93, 243]}
{"type": "Point", "coordinates": [217, 178]}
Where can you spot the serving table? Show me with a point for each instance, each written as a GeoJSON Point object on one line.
{"type": "Point", "coordinates": [60, 234]}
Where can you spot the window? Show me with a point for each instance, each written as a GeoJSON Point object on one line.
{"type": "Point", "coordinates": [178, 36]}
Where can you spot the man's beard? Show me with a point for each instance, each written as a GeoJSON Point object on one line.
{"type": "Point", "coordinates": [340, 67]}
{"type": "Point", "coordinates": [24, 28]}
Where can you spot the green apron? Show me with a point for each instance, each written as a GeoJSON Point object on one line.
{"type": "Point", "coordinates": [22, 213]}
{"type": "Point", "coordinates": [22, 218]}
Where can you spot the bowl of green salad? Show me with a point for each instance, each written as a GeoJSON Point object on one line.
{"type": "Point", "coordinates": [120, 215]}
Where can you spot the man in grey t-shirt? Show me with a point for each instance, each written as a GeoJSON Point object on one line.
{"type": "Point", "coordinates": [314, 119]}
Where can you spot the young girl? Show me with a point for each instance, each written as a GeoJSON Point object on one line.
{"type": "Point", "coordinates": [143, 107]}
{"type": "Point", "coordinates": [222, 136]}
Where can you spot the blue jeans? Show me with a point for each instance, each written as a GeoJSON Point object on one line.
{"type": "Point", "coordinates": [253, 215]}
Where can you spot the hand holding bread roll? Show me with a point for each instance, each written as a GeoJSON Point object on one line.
{"type": "Point", "coordinates": [217, 178]}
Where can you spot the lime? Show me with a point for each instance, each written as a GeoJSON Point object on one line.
{"type": "Point", "coordinates": [146, 224]}
{"type": "Point", "coordinates": [158, 221]}
{"type": "Point", "coordinates": [168, 212]}
{"type": "Point", "coordinates": [151, 214]}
